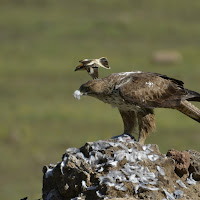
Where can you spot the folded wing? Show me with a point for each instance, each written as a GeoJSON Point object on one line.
{"type": "Point", "coordinates": [152, 90]}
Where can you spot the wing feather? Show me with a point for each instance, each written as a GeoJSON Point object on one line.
{"type": "Point", "coordinates": [152, 90]}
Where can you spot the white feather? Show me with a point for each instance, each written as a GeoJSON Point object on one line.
{"type": "Point", "coordinates": [128, 73]}
{"type": "Point", "coordinates": [77, 94]}
{"type": "Point", "coordinates": [178, 194]}
{"type": "Point", "coordinates": [181, 183]}
{"type": "Point", "coordinates": [160, 170]}
{"type": "Point", "coordinates": [168, 195]}
{"type": "Point", "coordinates": [149, 83]}
{"type": "Point", "coordinates": [190, 180]}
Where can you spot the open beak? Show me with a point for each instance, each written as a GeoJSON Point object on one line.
{"type": "Point", "coordinates": [80, 67]}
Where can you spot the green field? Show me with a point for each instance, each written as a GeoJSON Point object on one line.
{"type": "Point", "coordinates": [41, 43]}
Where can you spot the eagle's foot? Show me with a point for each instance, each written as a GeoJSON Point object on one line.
{"type": "Point", "coordinates": [124, 136]}
{"type": "Point", "coordinates": [141, 140]}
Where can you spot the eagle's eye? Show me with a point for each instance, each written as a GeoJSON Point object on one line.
{"type": "Point", "coordinates": [84, 89]}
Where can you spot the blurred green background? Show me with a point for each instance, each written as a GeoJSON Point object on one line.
{"type": "Point", "coordinates": [41, 42]}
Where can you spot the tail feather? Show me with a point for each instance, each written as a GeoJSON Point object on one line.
{"type": "Point", "coordinates": [190, 110]}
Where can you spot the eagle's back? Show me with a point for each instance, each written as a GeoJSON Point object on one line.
{"type": "Point", "coordinates": [137, 90]}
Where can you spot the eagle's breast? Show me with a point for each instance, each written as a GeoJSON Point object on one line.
{"type": "Point", "coordinates": [117, 101]}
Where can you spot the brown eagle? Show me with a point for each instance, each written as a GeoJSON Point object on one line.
{"type": "Point", "coordinates": [137, 93]}
{"type": "Point", "coordinates": [92, 65]}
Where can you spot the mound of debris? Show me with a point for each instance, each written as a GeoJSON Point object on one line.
{"type": "Point", "coordinates": [122, 168]}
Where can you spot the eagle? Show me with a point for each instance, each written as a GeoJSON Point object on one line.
{"type": "Point", "coordinates": [92, 65]}
{"type": "Point", "coordinates": [137, 93]}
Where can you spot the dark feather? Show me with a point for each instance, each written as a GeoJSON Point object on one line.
{"type": "Point", "coordinates": [176, 81]}
{"type": "Point", "coordinates": [192, 96]}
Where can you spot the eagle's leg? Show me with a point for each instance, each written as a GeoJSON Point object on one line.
{"type": "Point", "coordinates": [129, 120]}
{"type": "Point", "coordinates": [146, 123]}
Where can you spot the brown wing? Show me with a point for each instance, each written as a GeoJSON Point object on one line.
{"type": "Point", "coordinates": [152, 90]}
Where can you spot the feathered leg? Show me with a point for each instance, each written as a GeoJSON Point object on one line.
{"type": "Point", "coordinates": [146, 123]}
{"type": "Point", "coordinates": [129, 120]}
{"type": "Point", "coordinates": [130, 123]}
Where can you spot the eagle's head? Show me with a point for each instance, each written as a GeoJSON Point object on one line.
{"type": "Point", "coordinates": [93, 88]}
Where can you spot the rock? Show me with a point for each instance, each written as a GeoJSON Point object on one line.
{"type": "Point", "coordinates": [118, 169]}
{"type": "Point", "coordinates": [182, 161]}
{"type": "Point", "coordinates": [194, 164]}
{"type": "Point", "coordinates": [54, 195]}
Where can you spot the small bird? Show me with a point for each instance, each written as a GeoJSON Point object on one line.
{"type": "Point", "coordinates": [136, 94]}
{"type": "Point", "coordinates": [92, 65]}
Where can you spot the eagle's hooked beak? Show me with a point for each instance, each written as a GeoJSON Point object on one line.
{"type": "Point", "coordinates": [80, 67]}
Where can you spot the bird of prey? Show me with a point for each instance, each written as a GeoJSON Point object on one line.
{"type": "Point", "coordinates": [92, 65]}
{"type": "Point", "coordinates": [136, 94]}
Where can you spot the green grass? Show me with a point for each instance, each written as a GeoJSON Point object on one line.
{"type": "Point", "coordinates": [41, 44]}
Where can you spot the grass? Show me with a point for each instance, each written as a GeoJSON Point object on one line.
{"type": "Point", "coordinates": [41, 44]}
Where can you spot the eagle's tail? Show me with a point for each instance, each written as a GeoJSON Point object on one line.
{"type": "Point", "coordinates": [190, 110]}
